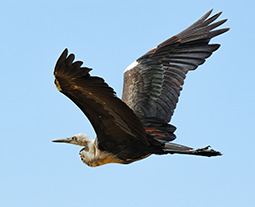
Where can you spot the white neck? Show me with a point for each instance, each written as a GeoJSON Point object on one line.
{"type": "Point", "coordinates": [93, 157]}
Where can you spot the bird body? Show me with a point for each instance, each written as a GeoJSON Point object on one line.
{"type": "Point", "coordinates": [136, 126]}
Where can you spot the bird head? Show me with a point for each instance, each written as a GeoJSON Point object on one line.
{"type": "Point", "coordinates": [88, 153]}
{"type": "Point", "coordinates": [78, 139]}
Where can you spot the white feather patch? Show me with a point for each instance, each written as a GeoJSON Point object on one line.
{"type": "Point", "coordinates": [131, 66]}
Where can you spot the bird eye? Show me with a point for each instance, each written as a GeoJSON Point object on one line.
{"type": "Point", "coordinates": [74, 138]}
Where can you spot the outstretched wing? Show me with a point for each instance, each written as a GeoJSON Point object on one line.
{"type": "Point", "coordinates": [113, 121]}
{"type": "Point", "coordinates": [152, 84]}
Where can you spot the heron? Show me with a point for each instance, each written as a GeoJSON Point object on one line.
{"type": "Point", "coordinates": [137, 126]}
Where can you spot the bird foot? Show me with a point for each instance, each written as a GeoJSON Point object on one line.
{"type": "Point", "coordinates": [205, 151]}
{"type": "Point", "coordinates": [203, 148]}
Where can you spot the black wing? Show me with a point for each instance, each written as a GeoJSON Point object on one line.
{"type": "Point", "coordinates": [113, 121]}
{"type": "Point", "coordinates": [152, 84]}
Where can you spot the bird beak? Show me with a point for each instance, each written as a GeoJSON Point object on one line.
{"type": "Point", "coordinates": [64, 140]}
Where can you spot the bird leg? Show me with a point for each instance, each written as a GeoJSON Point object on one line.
{"type": "Point", "coordinates": [205, 151]}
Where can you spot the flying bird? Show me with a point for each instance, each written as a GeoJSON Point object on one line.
{"type": "Point", "coordinates": [136, 126]}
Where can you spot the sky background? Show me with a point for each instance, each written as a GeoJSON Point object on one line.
{"type": "Point", "coordinates": [216, 106]}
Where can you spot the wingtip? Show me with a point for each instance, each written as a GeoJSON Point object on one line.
{"type": "Point", "coordinates": [219, 13]}
{"type": "Point", "coordinates": [64, 53]}
{"type": "Point", "coordinates": [211, 10]}
{"type": "Point", "coordinates": [69, 60]}
{"type": "Point", "coordinates": [62, 57]}
{"type": "Point", "coordinates": [206, 15]}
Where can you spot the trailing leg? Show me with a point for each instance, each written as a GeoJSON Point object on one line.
{"type": "Point", "coordinates": [173, 148]}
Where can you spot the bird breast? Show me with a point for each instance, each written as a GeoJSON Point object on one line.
{"type": "Point", "coordinates": [95, 157]}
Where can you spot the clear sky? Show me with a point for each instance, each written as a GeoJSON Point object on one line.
{"type": "Point", "coordinates": [216, 106]}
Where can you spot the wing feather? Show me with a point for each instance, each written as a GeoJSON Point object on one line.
{"type": "Point", "coordinates": [152, 86]}
{"type": "Point", "coordinates": [113, 121]}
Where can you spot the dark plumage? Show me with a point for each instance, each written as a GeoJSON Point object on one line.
{"type": "Point", "coordinates": [137, 126]}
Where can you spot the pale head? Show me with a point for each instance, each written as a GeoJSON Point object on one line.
{"type": "Point", "coordinates": [78, 139]}
{"type": "Point", "coordinates": [88, 154]}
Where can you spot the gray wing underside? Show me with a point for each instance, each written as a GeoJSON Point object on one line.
{"type": "Point", "coordinates": [152, 84]}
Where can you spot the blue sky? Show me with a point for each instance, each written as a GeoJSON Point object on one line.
{"type": "Point", "coordinates": [216, 106]}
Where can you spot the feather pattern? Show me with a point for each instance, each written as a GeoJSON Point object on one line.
{"type": "Point", "coordinates": [113, 121]}
{"type": "Point", "coordinates": [152, 85]}
{"type": "Point", "coordinates": [137, 126]}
